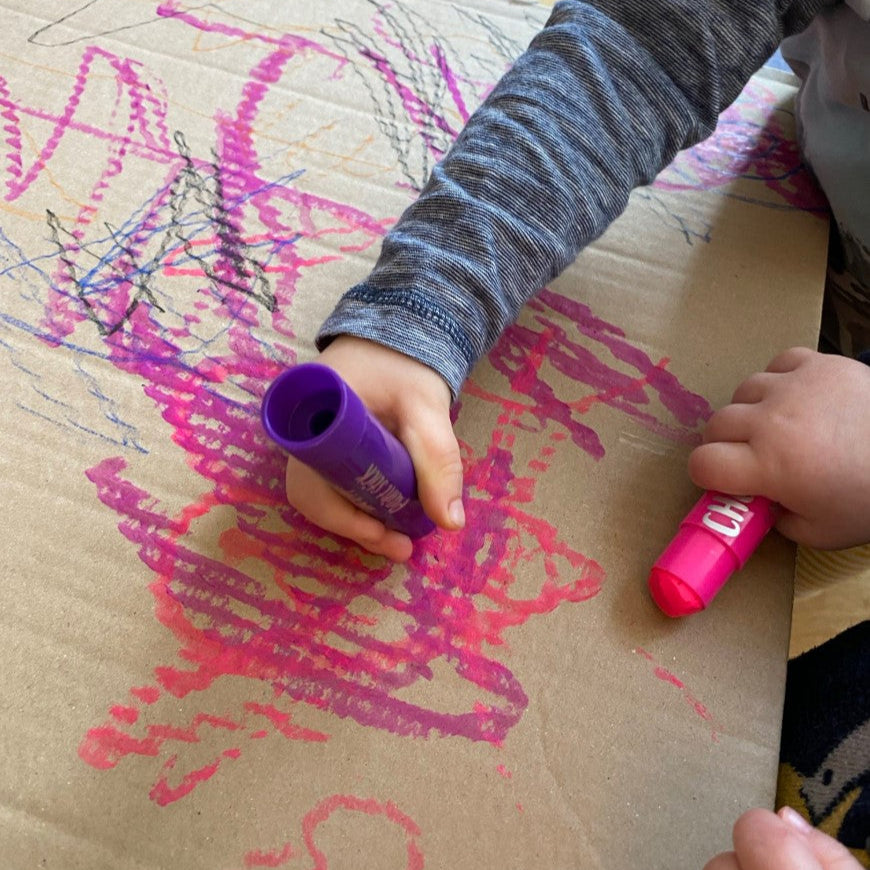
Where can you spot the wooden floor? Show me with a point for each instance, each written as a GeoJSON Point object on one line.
{"type": "Point", "coordinates": [832, 592]}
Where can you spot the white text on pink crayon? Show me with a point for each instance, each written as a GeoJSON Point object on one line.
{"type": "Point", "coordinates": [727, 514]}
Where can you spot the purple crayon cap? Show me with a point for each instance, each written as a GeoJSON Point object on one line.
{"type": "Point", "coordinates": [316, 417]}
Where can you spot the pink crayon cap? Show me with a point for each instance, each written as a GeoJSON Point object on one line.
{"type": "Point", "coordinates": [700, 557]}
{"type": "Point", "coordinates": [716, 538]}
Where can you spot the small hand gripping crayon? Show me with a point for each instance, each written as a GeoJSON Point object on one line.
{"type": "Point", "coordinates": [715, 539]}
{"type": "Point", "coordinates": [316, 417]}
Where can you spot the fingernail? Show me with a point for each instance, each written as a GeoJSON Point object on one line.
{"type": "Point", "coordinates": [795, 820]}
{"type": "Point", "coordinates": [456, 513]}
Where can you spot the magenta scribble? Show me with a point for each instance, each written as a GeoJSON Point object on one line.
{"type": "Point", "coordinates": [417, 650]}
{"type": "Point", "coordinates": [752, 142]}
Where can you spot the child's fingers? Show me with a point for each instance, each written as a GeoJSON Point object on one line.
{"type": "Point", "coordinates": [318, 502]}
{"type": "Point", "coordinates": [731, 423]}
{"type": "Point", "coordinates": [790, 359]}
{"type": "Point", "coordinates": [763, 841]}
{"type": "Point", "coordinates": [831, 854]}
{"type": "Point", "coordinates": [798, 528]}
{"type": "Point", "coordinates": [725, 861]}
{"type": "Point", "coordinates": [727, 466]}
{"type": "Point", "coordinates": [766, 841]}
{"type": "Point", "coordinates": [754, 388]}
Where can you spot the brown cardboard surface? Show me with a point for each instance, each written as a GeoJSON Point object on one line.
{"type": "Point", "coordinates": [195, 678]}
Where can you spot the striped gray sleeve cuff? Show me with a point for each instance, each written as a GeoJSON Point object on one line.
{"type": "Point", "coordinates": [405, 322]}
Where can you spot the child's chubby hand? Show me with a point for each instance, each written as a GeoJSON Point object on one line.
{"type": "Point", "coordinates": [782, 841]}
{"type": "Point", "coordinates": [798, 433]}
{"type": "Point", "coordinates": [413, 402]}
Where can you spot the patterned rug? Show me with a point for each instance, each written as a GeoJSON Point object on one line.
{"type": "Point", "coordinates": [824, 768]}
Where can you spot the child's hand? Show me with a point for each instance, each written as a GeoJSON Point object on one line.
{"type": "Point", "coordinates": [798, 434]}
{"type": "Point", "coordinates": [767, 841]}
{"type": "Point", "coordinates": [413, 402]}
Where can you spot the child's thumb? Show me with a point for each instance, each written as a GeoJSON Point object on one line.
{"type": "Point", "coordinates": [438, 464]}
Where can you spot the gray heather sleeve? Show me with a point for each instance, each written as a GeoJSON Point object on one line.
{"type": "Point", "coordinates": [603, 99]}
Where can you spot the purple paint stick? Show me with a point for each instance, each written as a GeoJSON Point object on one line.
{"type": "Point", "coordinates": [316, 417]}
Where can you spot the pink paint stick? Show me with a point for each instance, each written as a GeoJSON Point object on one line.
{"type": "Point", "coordinates": [715, 539]}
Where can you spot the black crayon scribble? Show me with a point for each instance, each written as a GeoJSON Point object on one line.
{"type": "Point", "coordinates": [691, 226]}
{"type": "Point", "coordinates": [73, 19]}
{"type": "Point", "coordinates": [505, 48]}
{"type": "Point", "coordinates": [401, 68]}
{"type": "Point", "coordinates": [410, 144]}
{"type": "Point", "coordinates": [195, 208]}
{"type": "Point", "coordinates": [60, 235]}
{"type": "Point", "coordinates": [100, 415]}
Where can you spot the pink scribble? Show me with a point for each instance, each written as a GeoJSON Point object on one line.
{"type": "Point", "coordinates": [275, 858]}
{"type": "Point", "coordinates": [321, 624]}
{"type": "Point", "coordinates": [146, 694]}
{"type": "Point", "coordinates": [137, 125]}
{"type": "Point", "coordinates": [334, 807]}
{"type": "Point", "coordinates": [162, 793]}
{"type": "Point", "coordinates": [108, 745]}
{"type": "Point", "coordinates": [370, 807]}
{"type": "Point", "coordinates": [126, 714]}
{"type": "Point", "coordinates": [283, 724]}
{"type": "Point", "coordinates": [571, 339]}
{"type": "Point", "coordinates": [451, 79]}
{"type": "Point", "coordinates": [671, 679]}
{"type": "Point", "coordinates": [270, 598]}
{"type": "Point", "coordinates": [105, 746]}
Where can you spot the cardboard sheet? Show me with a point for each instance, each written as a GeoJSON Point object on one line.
{"type": "Point", "coordinates": [195, 678]}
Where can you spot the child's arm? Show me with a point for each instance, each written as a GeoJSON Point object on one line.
{"type": "Point", "coordinates": [797, 433]}
{"type": "Point", "coordinates": [604, 98]}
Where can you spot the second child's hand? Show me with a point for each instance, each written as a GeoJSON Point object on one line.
{"type": "Point", "coordinates": [797, 434]}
